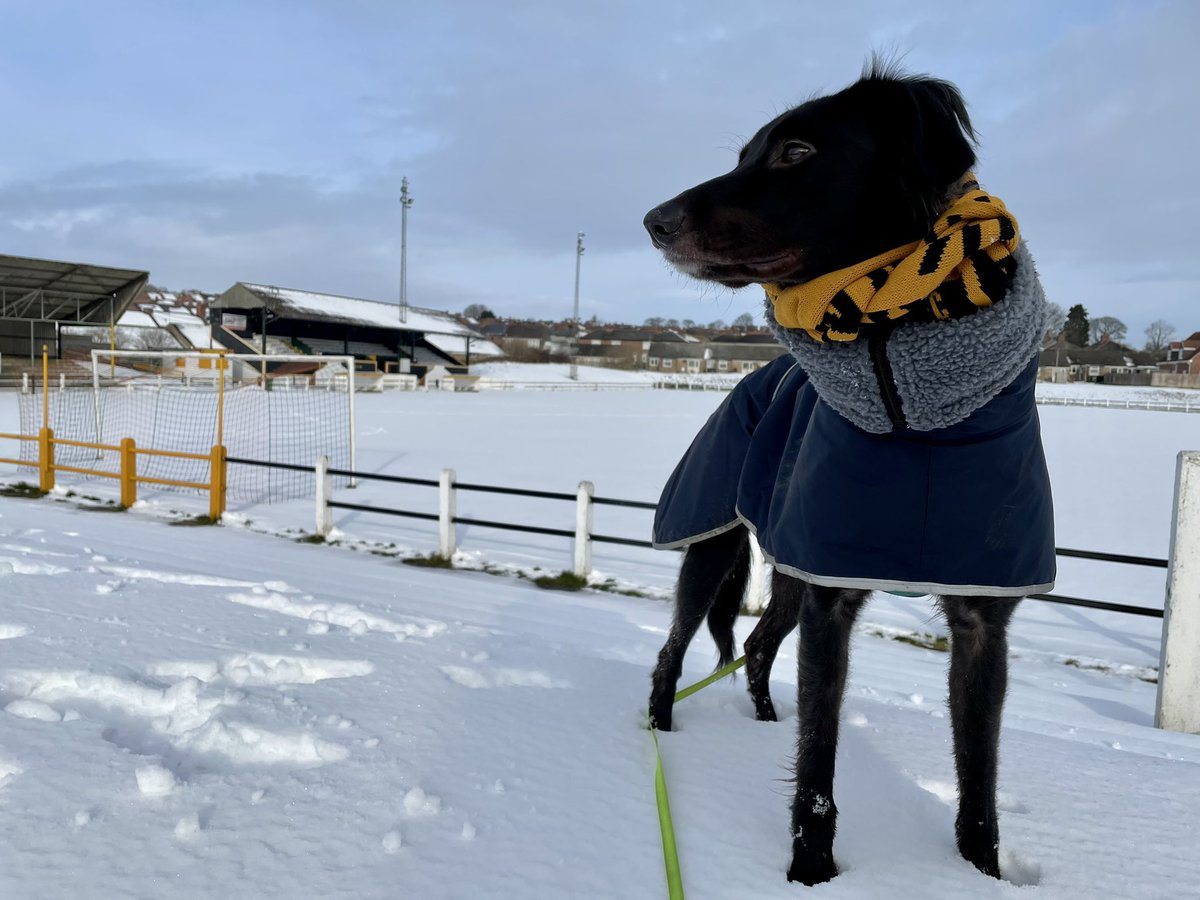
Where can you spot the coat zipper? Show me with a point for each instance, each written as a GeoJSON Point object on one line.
{"type": "Point", "coordinates": [877, 347]}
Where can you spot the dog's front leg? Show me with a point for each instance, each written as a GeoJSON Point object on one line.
{"type": "Point", "coordinates": [978, 681]}
{"type": "Point", "coordinates": [826, 618]}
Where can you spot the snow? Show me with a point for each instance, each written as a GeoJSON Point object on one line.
{"type": "Point", "coordinates": [1117, 394]}
{"type": "Point", "coordinates": [479, 349]}
{"type": "Point", "coordinates": [544, 373]}
{"type": "Point", "coordinates": [362, 312]}
{"type": "Point", "coordinates": [162, 313]}
{"type": "Point", "coordinates": [195, 712]}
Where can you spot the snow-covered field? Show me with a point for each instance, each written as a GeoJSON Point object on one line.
{"type": "Point", "coordinates": [510, 373]}
{"type": "Point", "coordinates": [194, 712]}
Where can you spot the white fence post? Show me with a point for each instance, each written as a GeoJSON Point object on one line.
{"type": "Point", "coordinates": [324, 495]}
{"type": "Point", "coordinates": [583, 529]}
{"type": "Point", "coordinates": [24, 382]}
{"type": "Point", "coordinates": [758, 588]}
{"type": "Point", "coordinates": [1178, 706]}
{"type": "Point", "coordinates": [447, 510]}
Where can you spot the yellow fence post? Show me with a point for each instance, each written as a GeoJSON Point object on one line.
{"type": "Point", "coordinates": [128, 472]}
{"type": "Point", "coordinates": [46, 459]}
{"type": "Point", "coordinates": [216, 495]}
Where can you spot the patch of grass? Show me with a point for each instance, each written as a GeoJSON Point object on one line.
{"type": "Point", "coordinates": [1106, 669]}
{"type": "Point", "coordinates": [937, 642]}
{"type": "Point", "coordinates": [108, 506]}
{"type": "Point", "coordinates": [22, 489]}
{"type": "Point", "coordinates": [432, 561]}
{"type": "Point", "coordinates": [311, 539]}
{"type": "Point", "coordinates": [611, 587]}
{"type": "Point", "coordinates": [195, 521]}
{"type": "Point", "coordinates": [923, 640]}
{"type": "Point", "coordinates": [563, 581]}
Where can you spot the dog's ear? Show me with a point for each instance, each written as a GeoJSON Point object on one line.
{"type": "Point", "coordinates": [941, 134]}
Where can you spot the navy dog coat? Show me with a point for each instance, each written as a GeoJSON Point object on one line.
{"type": "Point", "coordinates": [839, 493]}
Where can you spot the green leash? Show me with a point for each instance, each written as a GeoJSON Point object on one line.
{"type": "Point", "coordinates": [670, 854]}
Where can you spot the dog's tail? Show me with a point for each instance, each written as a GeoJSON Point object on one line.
{"type": "Point", "coordinates": [728, 601]}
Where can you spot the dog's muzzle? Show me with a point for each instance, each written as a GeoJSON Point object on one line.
{"type": "Point", "coordinates": [665, 224]}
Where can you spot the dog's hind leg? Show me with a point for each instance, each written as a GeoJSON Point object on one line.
{"type": "Point", "coordinates": [978, 681]}
{"type": "Point", "coordinates": [826, 618]}
{"type": "Point", "coordinates": [707, 566]}
{"type": "Point", "coordinates": [777, 622]}
{"type": "Point", "coordinates": [728, 602]}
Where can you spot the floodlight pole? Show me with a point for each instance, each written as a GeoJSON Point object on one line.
{"type": "Point", "coordinates": [575, 343]}
{"type": "Point", "coordinates": [405, 203]}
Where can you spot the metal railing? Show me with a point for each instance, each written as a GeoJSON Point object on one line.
{"type": "Point", "coordinates": [582, 534]}
{"type": "Point", "coordinates": [1148, 405]}
{"type": "Point", "coordinates": [127, 475]}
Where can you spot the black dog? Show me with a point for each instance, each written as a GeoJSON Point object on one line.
{"type": "Point", "coordinates": [829, 183]}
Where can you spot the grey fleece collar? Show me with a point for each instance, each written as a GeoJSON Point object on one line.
{"type": "Point", "coordinates": [943, 371]}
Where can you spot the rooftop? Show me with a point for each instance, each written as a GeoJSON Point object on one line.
{"type": "Point", "coordinates": [65, 291]}
{"type": "Point", "coordinates": [298, 304]}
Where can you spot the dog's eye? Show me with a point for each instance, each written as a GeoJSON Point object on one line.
{"type": "Point", "coordinates": [796, 151]}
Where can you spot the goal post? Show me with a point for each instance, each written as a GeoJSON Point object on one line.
{"type": "Point", "coordinates": [275, 408]}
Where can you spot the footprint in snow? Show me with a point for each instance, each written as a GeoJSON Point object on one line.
{"type": "Point", "coordinates": [475, 678]}
{"type": "Point", "coordinates": [947, 792]}
{"type": "Point", "coordinates": [188, 719]}
{"type": "Point", "coordinates": [9, 770]}
{"type": "Point", "coordinates": [1015, 869]}
{"type": "Point", "coordinates": [418, 804]}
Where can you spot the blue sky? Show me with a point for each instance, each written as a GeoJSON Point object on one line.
{"type": "Point", "coordinates": [262, 141]}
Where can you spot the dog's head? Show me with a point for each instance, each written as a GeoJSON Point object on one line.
{"type": "Point", "coordinates": [831, 182]}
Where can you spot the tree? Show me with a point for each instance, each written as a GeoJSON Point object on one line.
{"type": "Point", "coordinates": [688, 323]}
{"type": "Point", "coordinates": [1106, 327]}
{"type": "Point", "coordinates": [744, 321]}
{"type": "Point", "coordinates": [654, 322]}
{"type": "Point", "coordinates": [478, 311]}
{"type": "Point", "coordinates": [141, 338]}
{"type": "Point", "coordinates": [1076, 328]}
{"type": "Point", "coordinates": [1158, 334]}
{"type": "Point", "coordinates": [718, 325]}
{"type": "Point", "coordinates": [673, 324]}
{"type": "Point", "coordinates": [1053, 320]}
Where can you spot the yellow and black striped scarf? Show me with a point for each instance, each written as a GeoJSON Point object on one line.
{"type": "Point", "coordinates": [963, 265]}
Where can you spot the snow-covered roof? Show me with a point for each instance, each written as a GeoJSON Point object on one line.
{"type": "Point", "coordinates": [457, 346]}
{"type": "Point", "coordinates": [351, 310]}
{"type": "Point", "coordinates": [156, 308]}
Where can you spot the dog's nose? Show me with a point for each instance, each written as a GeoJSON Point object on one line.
{"type": "Point", "coordinates": [664, 223]}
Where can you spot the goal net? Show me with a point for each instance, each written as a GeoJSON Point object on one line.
{"type": "Point", "coordinates": [269, 408]}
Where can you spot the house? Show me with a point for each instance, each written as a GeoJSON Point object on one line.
{"type": "Point", "coordinates": [716, 356]}
{"type": "Point", "coordinates": [743, 356]}
{"type": "Point", "coordinates": [1106, 361]}
{"type": "Point", "coordinates": [625, 347]}
{"type": "Point", "coordinates": [1183, 357]}
{"type": "Point", "coordinates": [1054, 361]}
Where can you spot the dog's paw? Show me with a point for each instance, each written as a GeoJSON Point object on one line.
{"type": "Point", "coordinates": [982, 853]}
{"type": "Point", "coordinates": [764, 710]}
{"type": "Point", "coordinates": [979, 842]}
{"type": "Point", "coordinates": [810, 869]}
